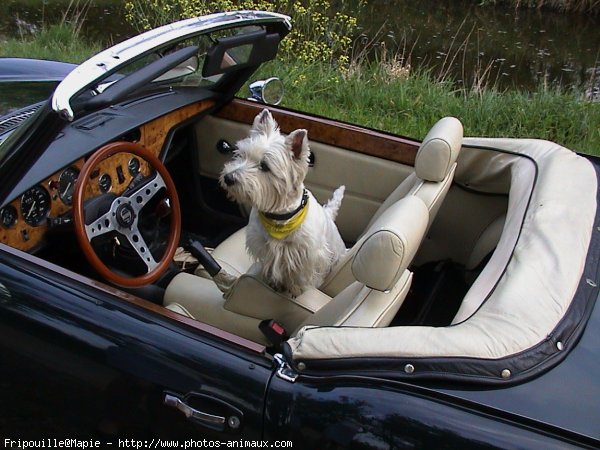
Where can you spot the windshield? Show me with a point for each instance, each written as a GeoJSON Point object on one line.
{"type": "Point", "coordinates": [125, 81]}
{"type": "Point", "coordinates": [142, 55]}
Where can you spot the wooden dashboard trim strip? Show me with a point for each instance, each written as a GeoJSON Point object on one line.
{"type": "Point", "coordinates": [326, 131]}
{"type": "Point", "coordinates": [153, 134]}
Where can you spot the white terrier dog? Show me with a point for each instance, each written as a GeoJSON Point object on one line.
{"type": "Point", "coordinates": [291, 237]}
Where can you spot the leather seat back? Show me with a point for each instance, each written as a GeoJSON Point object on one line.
{"type": "Point", "coordinates": [380, 269]}
{"type": "Point", "coordinates": [435, 165]}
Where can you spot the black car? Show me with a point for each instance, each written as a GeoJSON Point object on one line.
{"type": "Point", "coordinates": [461, 316]}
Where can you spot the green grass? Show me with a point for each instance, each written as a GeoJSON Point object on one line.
{"type": "Point", "coordinates": [410, 105]}
{"type": "Point", "coordinates": [61, 42]}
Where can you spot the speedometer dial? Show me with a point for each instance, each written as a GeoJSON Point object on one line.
{"type": "Point", "coordinates": [66, 184]}
{"type": "Point", "coordinates": [35, 205]}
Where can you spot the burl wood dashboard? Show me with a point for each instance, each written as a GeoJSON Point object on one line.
{"type": "Point", "coordinates": [24, 222]}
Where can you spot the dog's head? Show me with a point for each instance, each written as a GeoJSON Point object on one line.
{"type": "Point", "coordinates": [268, 169]}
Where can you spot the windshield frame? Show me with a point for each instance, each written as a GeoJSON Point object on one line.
{"type": "Point", "coordinates": [109, 61]}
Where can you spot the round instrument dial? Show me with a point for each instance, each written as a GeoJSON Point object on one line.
{"type": "Point", "coordinates": [66, 184]}
{"type": "Point", "coordinates": [134, 166]}
{"type": "Point", "coordinates": [35, 205]}
{"type": "Point", "coordinates": [8, 216]}
{"type": "Point", "coordinates": [105, 182]}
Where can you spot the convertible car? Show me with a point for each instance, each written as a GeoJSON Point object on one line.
{"type": "Point", "coordinates": [462, 315]}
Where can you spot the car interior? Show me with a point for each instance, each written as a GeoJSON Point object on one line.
{"type": "Point", "coordinates": [371, 286]}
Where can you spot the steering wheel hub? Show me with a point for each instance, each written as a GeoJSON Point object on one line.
{"type": "Point", "coordinates": [125, 215]}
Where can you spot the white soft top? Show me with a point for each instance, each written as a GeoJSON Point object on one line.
{"type": "Point", "coordinates": [531, 278]}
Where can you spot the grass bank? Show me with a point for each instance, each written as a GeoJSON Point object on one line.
{"type": "Point", "coordinates": [565, 6]}
{"type": "Point", "coordinates": [410, 103]}
{"type": "Point", "coordinates": [386, 97]}
{"type": "Point", "coordinates": [61, 42]}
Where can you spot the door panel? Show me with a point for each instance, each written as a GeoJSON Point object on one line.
{"type": "Point", "coordinates": [368, 179]}
{"type": "Point", "coordinates": [79, 362]}
{"type": "Point", "coordinates": [340, 413]}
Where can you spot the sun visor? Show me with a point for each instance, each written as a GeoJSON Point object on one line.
{"type": "Point", "coordinates": [241, 51]}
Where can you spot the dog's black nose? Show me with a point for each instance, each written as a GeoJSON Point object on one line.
{"type": "Point", "coordinates": [229, 181]}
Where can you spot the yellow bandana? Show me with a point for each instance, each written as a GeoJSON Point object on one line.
{"type": "Point", "coordinates": [280, 230]}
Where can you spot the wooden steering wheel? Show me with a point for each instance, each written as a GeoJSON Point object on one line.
{"type": "Point", "coordinates": [123, 216]}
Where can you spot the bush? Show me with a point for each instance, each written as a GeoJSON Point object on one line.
{"type": "Point", "coordinates": [320, 32]}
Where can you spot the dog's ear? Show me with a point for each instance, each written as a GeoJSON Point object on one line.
{"type": "Point", "coordinates": [297, 143]}
{"type": "Point", "coordinates": [263, 123]}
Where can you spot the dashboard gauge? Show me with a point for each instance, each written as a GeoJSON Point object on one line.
{"type": "Point", "coordinates": [105, 182]}
{"type": "Point", "coordinates": [134, 166]}
{"type": "Point", "coordinates": [8, 216]}
{"type": "Point", "coordinates": [35, 205]}
{"type": "Point", "coordinates": [66, 184]}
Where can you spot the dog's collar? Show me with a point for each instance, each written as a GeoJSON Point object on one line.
{"type": "Point", "coordinates": [281, 225]}
{"type": "Point", "coordinates": [288, 215]}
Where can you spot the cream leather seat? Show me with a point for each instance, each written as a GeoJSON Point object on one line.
{"type": "Point", "coordinates": [435, 165]}
{"type": "Point", "coordinates": [380, 283]}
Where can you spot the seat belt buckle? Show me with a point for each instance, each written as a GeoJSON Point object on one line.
{"type": "Point", "coordinates": [273, 331]}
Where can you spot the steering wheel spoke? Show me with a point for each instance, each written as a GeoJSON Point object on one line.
{"type": "Point", "coordinates": [139, 244]}
{"type": "Point", "coordinates": [102, 225]}
{"type": "Point", "coordinates": [145, 193]}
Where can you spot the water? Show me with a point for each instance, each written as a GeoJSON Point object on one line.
{"type": "Point", "coordinates": [515, 49]}
{"type": "Point", "coordinates": [455, 39]}
{"type": "Point", "coordinates": [103, 22]}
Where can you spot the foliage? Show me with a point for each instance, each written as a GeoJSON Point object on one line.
{"type": "Point", "coordinates": [385, 93]}
{"type": "Point", "coordinates": [320, 32]}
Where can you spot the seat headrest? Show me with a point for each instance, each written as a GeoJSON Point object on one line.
{"type": "Point", "coordinates": [439, 149]}
{"type": "Point", "coordinates": [389, 245]}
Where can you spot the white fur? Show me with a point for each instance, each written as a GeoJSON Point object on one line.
{"type": "Point", "coordinates": [267, 173]}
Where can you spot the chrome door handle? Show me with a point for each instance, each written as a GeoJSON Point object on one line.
{"type": "Point", "coordinates": [191, 413]}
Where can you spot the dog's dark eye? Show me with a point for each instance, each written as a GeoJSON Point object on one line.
{"type": "Point", "coordinates": [264, 167]}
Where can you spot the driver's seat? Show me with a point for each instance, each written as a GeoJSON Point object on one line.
{"type": "Point", "coordinates": [379, 286]}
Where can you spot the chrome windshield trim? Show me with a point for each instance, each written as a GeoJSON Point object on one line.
{"type": "Point", "coordinates": [119, 55]}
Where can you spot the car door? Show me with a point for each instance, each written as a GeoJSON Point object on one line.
{"type": "Point", "coordinates": [80, 359]}
{"type": "Point", "coordinates": [339, 412]}
{"type": "Point", "coordinates": [370, 164]}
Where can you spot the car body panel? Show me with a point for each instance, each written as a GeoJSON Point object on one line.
{"type": "Point", "coordinates": [25, 70]}
{"type": "Point", "coordinates": [80, 360]}
{"type": "Point", "coordinates": [365, 413]}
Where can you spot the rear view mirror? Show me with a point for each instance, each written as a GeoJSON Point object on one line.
{"type": "Point", "coordinates": [240, 51]}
